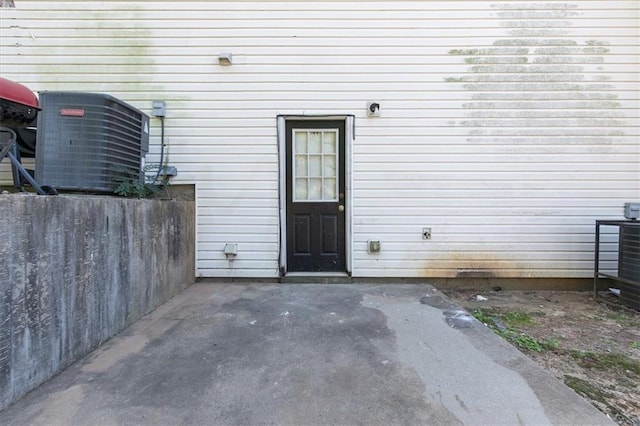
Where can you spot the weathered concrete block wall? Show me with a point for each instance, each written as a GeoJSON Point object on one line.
{"type": "Point", "coordinates": [74, 271]}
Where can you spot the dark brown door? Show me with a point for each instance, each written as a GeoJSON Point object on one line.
{"type": "Point", "coordinates": [315, 196]}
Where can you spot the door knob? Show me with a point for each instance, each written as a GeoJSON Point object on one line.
{"type": "Point", "coordinates": [340, 208]}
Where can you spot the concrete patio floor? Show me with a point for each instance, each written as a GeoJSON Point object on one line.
{"type": "Point", "coordinates": [305, 354]}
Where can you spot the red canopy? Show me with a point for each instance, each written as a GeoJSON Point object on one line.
{"type": "Point", "coordinates": [18, 93]}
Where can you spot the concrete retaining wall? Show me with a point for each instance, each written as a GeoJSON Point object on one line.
{"type": "Point", "coordinates": [76, 270]}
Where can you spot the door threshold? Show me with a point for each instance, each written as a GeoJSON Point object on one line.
{"type": "Point", "coordinates": [317, 274]}
{"type": "Point", "coordinates": [316, 278]}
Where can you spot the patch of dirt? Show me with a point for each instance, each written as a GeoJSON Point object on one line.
{"type": "Point", "coordinates": [591, 344]}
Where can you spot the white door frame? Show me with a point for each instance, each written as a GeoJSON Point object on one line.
{"type": "Point", "coordinates": [349, 138]}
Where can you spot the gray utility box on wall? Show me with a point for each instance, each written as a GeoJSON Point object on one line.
{"type": "Point", "coordinates": [87, 141]}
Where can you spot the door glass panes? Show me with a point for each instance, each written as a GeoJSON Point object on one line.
{"type": "Point", "coordinates": [301, 165]}
{"type": "Point", "coordinates": [315, 142]}
{"type": "Point", "coordinates": [329, 166]}
{"type": "Point", "coordinates": [315, 174]}
{"type": "Point", "coordinates": [330, 189]}
{"type": "Point", "coordinates": [301, 142]}
{"type": "Point", "coordinates": [315, 165]}
{"type": "Point", "coordinates": [302, 190]}
{"type": "Point", "coordinates": [329, 142]}
{"type": "Point", "coordinates": [315, 189]}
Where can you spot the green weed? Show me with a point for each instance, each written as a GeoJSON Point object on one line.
{"type": "Point", "coordinates": [616, 317]}
{"type": "Point", "coordinates": [137, 185]}
{"type": "Point", "coordinates": [485, 316]}
{"type": "Point", "coordinates": [514, 319]}
{"type": "Point", "coordinates": [607, 361]}
{"type": "Point", "coordinates": [505, 325]}
{"type": "Point", "coordinates": [526, 342]}
{"type": "Point", "coordinates": [586, 389]}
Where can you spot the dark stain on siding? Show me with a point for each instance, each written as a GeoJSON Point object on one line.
{"type": "Point", "coordinates": [540, 88]}
{"type": "Point", "coordinates": [540, 83]}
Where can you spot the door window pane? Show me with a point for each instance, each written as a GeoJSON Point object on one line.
{"type": "Point", "coordinates": [329, 169]}
{"type": "Point", "coordinates": [315, 142]}
{"type": "Point", "coordinates": [329, 143]}
{"type": "Point", "coordinates": [302, 193]}
{"type": "Point", "coordinates": [329, 189]}
{"type": "Point", "coordinates": [301, 165]}
{"type": "Point", "coordinates": [315, 189]}
{"type": "Point", "coordinates": [301, 142]}
{"type": "Point", "coordinates": [315, 167]}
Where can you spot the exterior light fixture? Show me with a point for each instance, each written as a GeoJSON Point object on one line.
{"type": "Point", "coordinates": [373, 109]}
{"type": "Point", "coordinates": [225, 59]}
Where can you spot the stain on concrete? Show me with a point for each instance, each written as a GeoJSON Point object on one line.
{"type": "Point", "coordinates": [276, 355]}
{"type": "Point", "coordinates": [417, 341]}
{"type": "Point", "coordinates": [241, 354]}
{"type": "Point", "coordinates": [286, 351]}
{"type": "Point", "coordinates": [437, 301]}
{"type": "Point", "coordinates": [458, 318]}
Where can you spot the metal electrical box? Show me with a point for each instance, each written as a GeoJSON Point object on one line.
{"type": "Point", "coordinates": [632, 211]}
{"type": "Point", "coordinates": [85, 141]}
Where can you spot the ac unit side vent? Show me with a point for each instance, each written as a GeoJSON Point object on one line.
{"type": "Point", "coordinates": [629, 264]}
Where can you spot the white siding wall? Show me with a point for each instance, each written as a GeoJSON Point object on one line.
{"type": "Point", "coordinates": [507, 127]}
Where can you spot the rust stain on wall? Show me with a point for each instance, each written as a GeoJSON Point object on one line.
{"type": "Point", "coordinates": [463, 264]}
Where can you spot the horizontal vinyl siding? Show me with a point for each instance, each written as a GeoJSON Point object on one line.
{"type": "Point", "coordinates": [507, 127]}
